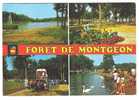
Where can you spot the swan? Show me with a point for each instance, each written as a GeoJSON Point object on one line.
{"type": "Point", "coordinates": [102, 77]}
{"type": "Point", "coordinates": [86, 90]}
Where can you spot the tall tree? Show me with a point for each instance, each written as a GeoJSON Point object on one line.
{"type": "Point", "coordinates": [20, 63]}
{"type": "Point", "coordinates": [5, 71]}
{"type": "Point", "coordinates": [108, 62]}
{"type": "Point", "coordinates": [62, 13]}
{"type": "Point", "coordinates": [81, 63]}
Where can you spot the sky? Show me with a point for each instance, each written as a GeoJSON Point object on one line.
{"type": "Point", "coordinates": [9, 60]}
{"type": "Point", "coordinates": [31, 10]}
{"type": "Point", "coordinates": [118, 59]}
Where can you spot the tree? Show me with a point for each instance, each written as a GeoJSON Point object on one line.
{"type": "Point", "coordinates": [31, 69]}
{"type": "Point", "coordinates": [5, 71]}
{"type": "Point", "coordinates": [61, 8]}
{"type": "Point", "coordinates": [56, 67]}
{"type": "Point", "coordinates": [76, 11]}
{"type": "Point", "coordinates": [20, 63]}
{"type": "Point", "coordinates": [102, 11]}
{"type": "Point", "coordinates": [81, 63]}
{"type": "Point", "coordinates": [108, 62]}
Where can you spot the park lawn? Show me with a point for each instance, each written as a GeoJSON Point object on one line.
{"type": "Point", "coordinates": [10, 86]}
{"type": "Point", "coordinates": [37, 35]}
{"type": "Point", "coordinates": [61, 89]}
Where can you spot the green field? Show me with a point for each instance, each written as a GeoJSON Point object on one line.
{"type": "Point", "coordinates": [10, 86]}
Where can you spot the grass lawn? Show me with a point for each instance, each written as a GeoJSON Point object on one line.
{"type": "Point", "coordinates": [10, 86]}
{"type": "Point", "coordinates": [61, 89]}
{"type": "Point", "coordinates": [37, 35]}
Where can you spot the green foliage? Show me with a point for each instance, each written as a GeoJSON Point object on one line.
{"type": "Point", "coordinates": [5, 71]}
{"type": "Point", "coordinates": [81, 63]}
{"type": "Point", "coordinates": [56, 67]}
{"type": "Point", "coordinates": [15, 17]}
{"type": "Point", "coordinates": [126, 66]}
{"type": "Point", "coordinates": [61, 12]}
{"type": "Point", "coordinates": [8, 26]}
{"type": "Point", "coordinates": [96, 37]}
{"type": "Point", "coordinates": [22, 19]}
{"type": "Point", "coordinates": [11, 86]}
{"type": "Point", "coordinates": [20, 63]}
{"type": "Point", "coordinates": [57, 33]}
{"type": "Point", "coordinates": [101, 11]}
{"type": "Point", "coordinates": [108, 62]}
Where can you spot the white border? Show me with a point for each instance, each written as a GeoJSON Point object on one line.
{"type": "Point", "coordinates": [63, 1]}
{"type": "Point", "coordinates": [69, 97]}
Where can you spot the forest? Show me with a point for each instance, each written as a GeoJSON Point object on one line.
{"type": "Point", "coordinates": [56, 67]}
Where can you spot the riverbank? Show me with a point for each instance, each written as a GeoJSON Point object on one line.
{"type": "Point", "coordinates": [129, 90]}
{"type": "Point", "coordinates": [37, 35]}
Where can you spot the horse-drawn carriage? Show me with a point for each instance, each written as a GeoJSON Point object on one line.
{"type": "Point", "coordinates": [41, 81]}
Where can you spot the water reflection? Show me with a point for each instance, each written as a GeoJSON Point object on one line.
{"type": "Point", "coordinates": [36, 25]}
{"type": "Point", "coordinates": [88, 84]}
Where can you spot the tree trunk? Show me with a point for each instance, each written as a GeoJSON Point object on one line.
{"type": "Point", "coordinates": [57, 17]}
{"type": "Point", "coordinates": [66, 13]}
{"type": "Point", "coordinates": [62, 16]}
{"type": "Point", "coordinates": [100, 15]}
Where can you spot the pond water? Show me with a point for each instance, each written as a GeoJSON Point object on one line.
{"type": "Point", "coordinates": [93, 83]}
{"type": "Point", "coordinates": [31, 25]}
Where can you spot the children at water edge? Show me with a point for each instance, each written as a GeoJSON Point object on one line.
{"type": "Point", "coordinates": [119, 82]}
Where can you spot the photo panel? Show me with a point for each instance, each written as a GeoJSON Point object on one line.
{"type": "Point", "coordinates": [30, 23]}
{"type": "Point", "coordinates": [103, 74]}
{"type": "Point", "coordinates": [35, 75]}
{"type": "Point", "coordinates": [102, 23]}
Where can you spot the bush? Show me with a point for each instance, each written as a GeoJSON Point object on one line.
{"type": "Point", "coordinates": [8, 26]}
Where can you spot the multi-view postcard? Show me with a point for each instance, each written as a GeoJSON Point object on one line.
{"type": "Point", "coordinates": [69, 49]}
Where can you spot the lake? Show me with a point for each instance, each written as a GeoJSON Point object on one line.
{"type": "Point", "coordinates": [92, 81]}
{"type": "Point", "coordinates": [31, 25]}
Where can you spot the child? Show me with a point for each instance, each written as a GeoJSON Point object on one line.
{"type": "Point", "coordinates": [122, 86]}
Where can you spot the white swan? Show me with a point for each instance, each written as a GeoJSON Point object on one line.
{"type": "Point", "coordinates": [102, 77]}
{"type": "Point", "coordinates": [86, 90]}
